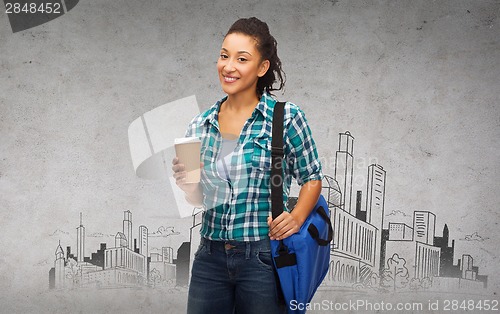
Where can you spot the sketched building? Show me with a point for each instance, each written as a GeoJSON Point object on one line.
{"type": "Point", "coordinates": [122, 265]}
{"type": "Point", "coordinates": [57, 275]}
{"type": "Point", "coordinates": [344, 169]}
{"type": "Point", "coordinates": [143, 240]}
{"type": "Point", "coordinates": [354, 248]}
{"type": "Point", "coordinates": [446, 267]}
{"type": "Point", "coordinates": [194, 240]}
{"type": "Point", "coordinates": [468, 278]}
{"type": "Point", "coordinates": [122, 256]}
{"type": "Point", "coordinates": [375, 202]}
{"type": "Point", "coordinates": [127, 228]}
{"type": "Point", "coordinates": [463, 276]}
{"type": "Point", "coordinates": [182, 273]}
{"type": "Point", "coordinates": [162, 267]}
{"type": "Point", "coordinates": [80, 241]}
{"type": "Point", "coordinates": [170, 268]}
{"type": "Point", "coordinates": [400, 232]}
{"type": "Point", "coordinates": [422, 258]}
{"type": "Point", "coordinates": [424, 226]}
{"type": "Point", "coordinates": [59, 271]}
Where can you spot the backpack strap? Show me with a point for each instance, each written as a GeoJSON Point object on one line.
{"type": "Point", "coordinates": [277, 156]}
{"type": "Point", "coordinates": [284, 258]}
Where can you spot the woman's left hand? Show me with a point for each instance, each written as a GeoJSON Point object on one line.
{"type": "Point", "coordinates": [283, 226]}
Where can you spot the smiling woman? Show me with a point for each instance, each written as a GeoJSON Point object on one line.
{"type": "Point", "coordinates": [240, 66]}
{"type": "Point", "coordinates": [232, 270]}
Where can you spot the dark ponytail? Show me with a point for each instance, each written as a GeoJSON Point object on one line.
{"type": "Point", "coordinates": [268, 49]}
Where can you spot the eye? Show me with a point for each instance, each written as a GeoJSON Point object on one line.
{"type": "Point", "coordinates": [223, 56]}
{"type": "Point", "coordinates": [241, 59]}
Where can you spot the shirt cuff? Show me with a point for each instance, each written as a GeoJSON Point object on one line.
{"type": "Point", "coordinates": [313, 177]}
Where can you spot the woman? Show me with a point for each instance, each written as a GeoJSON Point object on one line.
{"type": "Point", "coordinates": [232, 270]}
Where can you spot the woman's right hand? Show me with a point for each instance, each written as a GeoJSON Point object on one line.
{"type": "Point", "coordinates": [180, 178]}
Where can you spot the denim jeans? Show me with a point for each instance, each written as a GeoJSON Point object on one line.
{"type": "Point", "coordinates": [233, 277]}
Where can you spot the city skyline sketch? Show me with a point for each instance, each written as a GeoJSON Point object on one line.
{"type": "Point", "coordinates": [363, 253]}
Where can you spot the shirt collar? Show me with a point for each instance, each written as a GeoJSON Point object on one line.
{"type": "Point", "coordinates": [264, 107]}
{"type": "Point", "coordinates": [266, 103]}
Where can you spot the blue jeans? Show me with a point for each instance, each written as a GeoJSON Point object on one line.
{"type": "Point", "coordinates": [233, 277]}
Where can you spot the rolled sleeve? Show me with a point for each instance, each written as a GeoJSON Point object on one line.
{"type": "Point", "coordinates": [305, 165]}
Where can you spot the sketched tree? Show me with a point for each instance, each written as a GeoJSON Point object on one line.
{"type": "Point", "coordinates": [73, 272]}
{"type": "Point", "coordinates": [396, 273]}
{"type": "Point", "coordinates": [141, 280]}
{"type": "Point", "coordinates": [426, 283]}
{"type": "Point", "coordinates": [420, 284]}
{"type": "Point", "coordinates": [414, 284]}
{"type": "Point", "coordinates": [155, 277]}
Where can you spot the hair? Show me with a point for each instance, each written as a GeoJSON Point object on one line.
{"type": "Point", "coordinates": [268, 49]}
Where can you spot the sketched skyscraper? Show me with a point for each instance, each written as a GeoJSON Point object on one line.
{"type": "Point", "coordinates": [344, 169]}
{"type": "Point", "coordinates": [375, 201]}
{"type": "Point", "coordinates": [59, 268]}
{"type": "Point", "coordinates": [375, 196]}
{"type": "Point", "coordinates": [127, 229]}
{"type": "Point", "coordinates": [143, 240]}
{"type": "Point", "coordinates": [80, 241]}
{"type": "Point", "coordinates": [424, 224]}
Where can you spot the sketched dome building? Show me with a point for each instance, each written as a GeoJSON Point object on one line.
{"type": "Point", "coordinates": [331, 191]}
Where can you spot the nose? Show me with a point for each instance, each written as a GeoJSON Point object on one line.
{"type": "Point", "coordinates": [228, 66]}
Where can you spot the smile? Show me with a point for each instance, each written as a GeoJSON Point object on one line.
{"type": "Point", "coordinates": [229, 79]}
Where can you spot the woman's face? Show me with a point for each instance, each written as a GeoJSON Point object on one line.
{"type": "Point", "coordinates": [240, 64]}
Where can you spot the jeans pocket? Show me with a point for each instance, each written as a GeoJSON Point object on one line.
{"type": "Point", "coordinates": [264, 259]}
{"type": "Point", "coordinates": [200, 250]}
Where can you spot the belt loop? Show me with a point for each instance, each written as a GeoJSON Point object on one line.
{"type": "Point", "coordinates": [209, 247]}
{"type": "Point", "coordinates": [247, 251]}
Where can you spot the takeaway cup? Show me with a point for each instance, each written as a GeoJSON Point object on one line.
{"type": "Point", "coordinates": [187, 149]}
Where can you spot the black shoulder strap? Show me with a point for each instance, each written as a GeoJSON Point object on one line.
{"type": "Point", "coordinates": [277, 155]}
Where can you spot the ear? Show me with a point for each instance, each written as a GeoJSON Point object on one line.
{"type": "Point", "coordinates": [264, 66]}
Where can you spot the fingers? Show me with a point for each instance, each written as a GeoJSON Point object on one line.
{"type": "Point", "coordinates": [284, 235]}
{"type": "Point", "coordinates": [180, 177]}
{"type": "Point", "coordinates": [177, 166]}
{"type": "Point", "coordinates": [179, 172]}
{"type": "Point", "coordinates": [282, 227]}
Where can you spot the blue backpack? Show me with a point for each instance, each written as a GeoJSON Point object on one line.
{"type": "Point", "coordinates": [301, 261]}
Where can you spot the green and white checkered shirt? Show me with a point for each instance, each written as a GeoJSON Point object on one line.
{"type": "Point", "coordinates": [238, 209]}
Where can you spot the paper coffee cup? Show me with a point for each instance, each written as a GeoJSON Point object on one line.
{"type": "Point", "coordinates": [187, 149]}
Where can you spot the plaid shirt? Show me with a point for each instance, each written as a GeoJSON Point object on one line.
{"type": "Point", "coordinates": [238, 209]}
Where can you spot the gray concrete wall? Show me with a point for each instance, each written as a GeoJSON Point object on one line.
{"type": "Point", "coordinates": [415, 82]}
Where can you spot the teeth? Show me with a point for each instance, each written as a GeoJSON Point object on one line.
{"type": "Point", "coordinates": [229, 79]}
